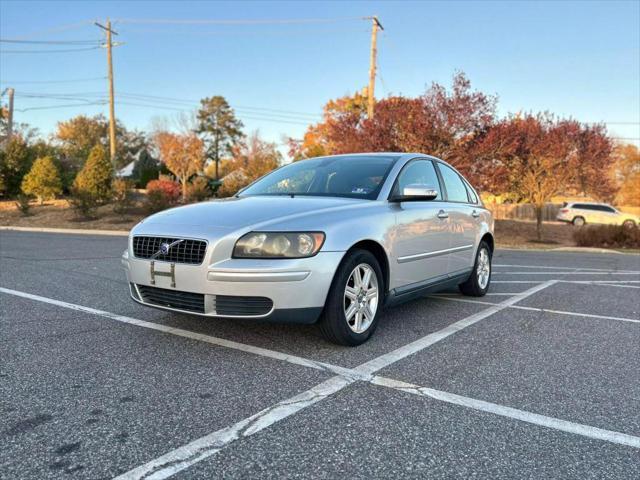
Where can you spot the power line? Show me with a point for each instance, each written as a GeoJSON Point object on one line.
{"type": "Point", "coordinates": [60, 28]}
{"type": "Point", "coordinates": [51, 51]}
{"type": "Point", "coordinates": [50, 42]}
{"type": "Point", "coordinates": [281, 21]}
{"type": "Point", "coordinates": [48, 107]}
{"type": "Point", "coordinates": [75, 80]}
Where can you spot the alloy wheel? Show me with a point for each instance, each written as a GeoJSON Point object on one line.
{"type": "Point", "coordinates": [361, 296]}
{"type": "Point", "coordinates": [484, 268]}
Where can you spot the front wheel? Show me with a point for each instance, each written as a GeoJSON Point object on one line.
{"type": "Point", "coordinates": [354, 301]}
{"type": "Point", "coordinates": [629, 224]}
{"type": "Point", "coordinates": [478, 283]}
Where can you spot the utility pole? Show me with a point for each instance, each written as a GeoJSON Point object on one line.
{"type": "Point", "coordinates": [112, 112]}
{"type": "Point", "coordinates": [375, 24]}
{"type": "Point", "coordinates": [10, 92]}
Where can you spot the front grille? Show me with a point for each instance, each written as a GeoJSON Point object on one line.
{"type": "Point", "coordinates": [187, 251]}
{"type": "Point", "coordinates": [192, 302]}
{"type": "Point", "coordinates": [242, 306]}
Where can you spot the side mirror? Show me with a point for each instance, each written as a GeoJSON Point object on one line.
{"type": "Point", "coordinates": [416, 193]}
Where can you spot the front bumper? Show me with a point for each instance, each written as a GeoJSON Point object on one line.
{"type": "Point", "coordinates": [297, 288]}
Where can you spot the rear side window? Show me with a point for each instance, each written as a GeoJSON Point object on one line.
{"type": "Point", "coordinates": [456, 190]}
{"type": "Point", "coordinates": [418, 172]}
{"type": "Point", "coordinates": [473, 198]}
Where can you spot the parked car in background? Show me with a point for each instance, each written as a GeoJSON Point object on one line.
{"type": "Point", "coordinates": [333, 239]}
{"type": "Point", "coordinates": [580, 213]}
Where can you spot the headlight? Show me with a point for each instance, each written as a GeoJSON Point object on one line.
{"type": "Point", "coordinates": [278, 245]}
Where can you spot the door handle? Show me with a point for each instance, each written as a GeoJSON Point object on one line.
{"type": "Point", "coordinates": [442, 214]}
{"type": "Point", "coordinates": [475, 214]}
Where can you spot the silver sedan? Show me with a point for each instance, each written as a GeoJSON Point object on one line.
{"type": "Point", "coordinates": [332, 239]}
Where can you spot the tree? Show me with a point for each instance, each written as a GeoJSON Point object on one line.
{"type": "Point", "coordinates": [146, 168]}
{"type": "Point", "coordinates": [219, 128]}
{"type": "Point", "coordinates": [15, 162]}
{"type": "Point", "coordinates": [96, 176]}
{"type": "Point", "coordinates": [183, 154]}
{"type": "Point", "coordinates": [441, 122]}
{"type": "Point", "coordinates": [626, 174]}
{"type": "Point", "coordinates": [80, 134]}
{"type": "Point", "coordinates": [250, 161]}
{"type": "Point", "coordinates": [43, 180]}
{"type": "Point", "coordinates": [526, 158]}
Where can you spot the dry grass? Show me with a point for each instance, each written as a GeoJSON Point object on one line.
{"type": "Point", "coordinates": [58, 214]}
{"type": "Point", "coordinates": [522, 234]}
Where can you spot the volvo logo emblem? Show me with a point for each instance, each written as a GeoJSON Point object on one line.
{"type": "Point", "coordinates": [164, 248]}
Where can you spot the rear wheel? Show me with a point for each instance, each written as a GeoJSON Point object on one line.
{"type": "Point", "coordinates": [578, 221]}
{"type": "Point", "coordinates": [355, 299]}
{"type": "Point", "coordinates": [478, 283]}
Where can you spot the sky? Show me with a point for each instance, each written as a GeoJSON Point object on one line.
{"type": "Point", "coordinates": [578, 59]}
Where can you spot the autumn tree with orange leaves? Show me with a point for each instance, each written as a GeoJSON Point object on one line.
{"type": "Point", "coordinates": [183, 154]}
{"type": "Point", "coordinates": [532, 158]}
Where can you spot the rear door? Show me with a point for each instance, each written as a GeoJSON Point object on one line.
{"type": "Point", "coordinates": [463, 220]}
{"type": "Point", "coordinates": [421, 236]}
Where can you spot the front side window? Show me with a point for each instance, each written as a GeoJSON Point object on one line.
{"type": "Point", "coordinates": [456, 190]}
{"type": "Point", "coordinates": [344, 176]}
{"type": "Point", "coordinates": [418, 172]}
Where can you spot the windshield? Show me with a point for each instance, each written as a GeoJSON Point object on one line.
{"type": "Point", "coordinates": [345, 176]}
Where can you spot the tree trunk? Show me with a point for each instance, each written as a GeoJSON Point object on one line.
{"type": "Point", "coordinates": [184, 188]}
{"type": "Point", "coordinates": [539, 209]}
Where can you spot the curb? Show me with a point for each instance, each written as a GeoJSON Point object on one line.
{"type": "Point", "coordinates": [69, 231]}
{"type": "Point", "coordinates": [586, 250]}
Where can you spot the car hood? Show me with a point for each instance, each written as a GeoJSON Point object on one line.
{"type": "Point", "coordinates": [240, 212]}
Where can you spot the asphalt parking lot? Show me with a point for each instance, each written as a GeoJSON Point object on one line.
{"type": "Point", "coordinates": [539, 379]}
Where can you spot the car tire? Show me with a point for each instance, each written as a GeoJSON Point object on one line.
{"type": "Point", "coordinates": [629, 224]}
{"type": "Point", "coordinates": [578, 221]}
{"type": "Point", "coordinates": [346, 294]}
{"type": "Point", "coordinates": [478, 282]}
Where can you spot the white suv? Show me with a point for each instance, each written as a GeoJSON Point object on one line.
{"type": "Point", "coordinates": [580, 213]}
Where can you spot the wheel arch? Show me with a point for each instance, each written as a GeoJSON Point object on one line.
{"type": "Point", "coordinates": [380, 253]}
{"type": "Point", "coordinates": [488, 237]}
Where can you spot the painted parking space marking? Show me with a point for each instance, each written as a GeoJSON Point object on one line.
{"type": "Point", "coordinates": [171, 463]}
{"type": "Point", "coordinates": [204, 447]}
{"type": "Point", "coordinates": [543, 267]}
{"type": "Point", "coordinates": [221, 342]}
{"type": "Point", "coordinates": [509, 412]}
{"type": "Point", "coordinates": [536, 309]}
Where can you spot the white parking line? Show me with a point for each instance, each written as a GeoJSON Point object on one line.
{"type": "Point", "coordinates": [514, 413]}
{"type": "Point", "coordinates": [515, 281]}
{"type": "Point", "coordinates": [285, 357]}
{"type": "Point", "coordinates": [535, 309]}
{"type": "Point", "coordinates": [183, 457]}
{"type": "Point", "coordinates": [501, 272]}
{"type": "Point", "coordinates": [540, 267]}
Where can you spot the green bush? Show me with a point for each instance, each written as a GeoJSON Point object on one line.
{"type": "Point", "coordinates": [84, 203]}
{"type": "Point", "coordinates": [23, 204]}
{"type": "Point", "coordinates": [607, 236]}
{"type": "Point", "coordinates": [157, 200]}
{"type": "Point", "coordinates": [122, 195]}
{"type": "Point", "coordinates": [43, 180]}
{"type": "Point", "coordinates": [95, 178]}
{"type": "Point", "coordinates": [15, 161]}
{"type": "Point", "coordinates": [198, 190]}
